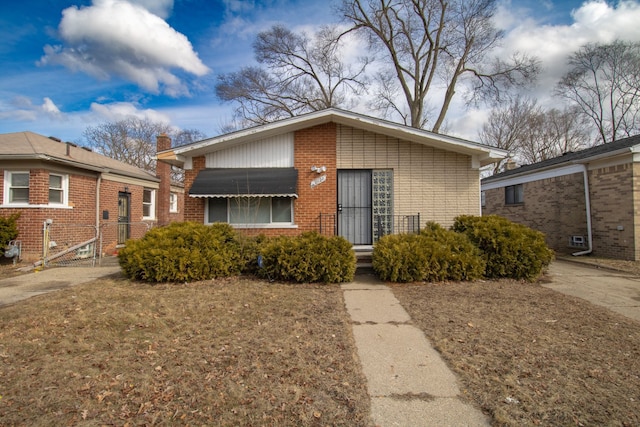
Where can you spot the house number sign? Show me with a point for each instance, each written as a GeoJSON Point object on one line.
{"type": "Point", "coordinates": [319, 180]}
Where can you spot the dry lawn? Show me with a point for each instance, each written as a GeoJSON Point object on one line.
{"type": "Point", "coordinates": [232, 352]}
{"type": "Point", "coordinates": [530, 356]}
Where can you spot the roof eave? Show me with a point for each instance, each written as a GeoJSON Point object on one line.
{"type": "Point", "coordinates": [486, 154]}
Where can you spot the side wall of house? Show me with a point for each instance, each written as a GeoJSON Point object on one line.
{"type": "Point", "coordinates": [556, 206]}
{"type": "Point", "coordinates": [612, 211]}
{"type": "Point", "coordinates": [438, 184]}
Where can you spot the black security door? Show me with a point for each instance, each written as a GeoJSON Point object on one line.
{"type": "Point", "coordinates": [124, 213]}
{"type": "Point", "coordinates": [354, 206]}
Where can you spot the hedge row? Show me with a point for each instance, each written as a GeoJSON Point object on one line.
{"type": "Point", "coordinates": [475, 247]}
{"type": "Point", "coordinates": [186, 252]}
{"type": "Point", "coordinates": [488, 246]}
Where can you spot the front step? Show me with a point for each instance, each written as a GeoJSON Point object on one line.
{"type": "Point", "coordinates": [363, 256]}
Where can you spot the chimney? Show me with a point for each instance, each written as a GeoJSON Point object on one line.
{"type": "Point", "coordinates": [163, 171]}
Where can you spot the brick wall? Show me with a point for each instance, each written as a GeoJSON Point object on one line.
{"type": "Point", "coordinates": [193, 206]}
{"type": "Point", "coordinates": [315, 146]}
{"type": "Point", "coordinates": [74, 223]}
{"type": "Point", "coordinates": [556, 206]}
{"type": "Point", "coordinates": [612, 207]}
{"type": "Point", "coordinates": [438, 184]}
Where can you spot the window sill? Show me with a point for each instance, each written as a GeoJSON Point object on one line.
{"type": "Point", "coordinates": [262, 226]}
{"type": "Point", "coordinates": [26, 206]}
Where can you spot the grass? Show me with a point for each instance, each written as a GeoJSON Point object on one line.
{"type": "Point", "coordinates": [230, 352]}
{"type": "Point", "coordinates": [530, 356]}
{"type": "Point", "coordinates": [243, 352]}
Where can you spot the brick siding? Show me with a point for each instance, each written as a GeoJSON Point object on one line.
{"type": "Point", "coordinates": [556, 206]}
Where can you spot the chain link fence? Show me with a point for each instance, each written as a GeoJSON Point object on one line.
{"type": "Point", "coordinates": [87, 245]}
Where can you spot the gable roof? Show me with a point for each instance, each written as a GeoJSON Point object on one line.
{"type": "Point", "coordinates": [484, 154]}
{"type": "Point", "coordinates": [621, 146]}
{"type": "Point", "coordinates": [32, 146]}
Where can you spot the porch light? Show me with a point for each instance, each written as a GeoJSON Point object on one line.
{"type": "Point", "coordinates": [318, 169]}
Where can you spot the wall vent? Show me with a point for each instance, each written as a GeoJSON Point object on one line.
{"type": "Point", "coordinates": [578, 241]}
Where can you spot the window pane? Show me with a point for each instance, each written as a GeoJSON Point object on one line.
{"type": "Point", "coordinates": [217, 210]}
{"type": "Point", "coordinates": [146, 210]}
{"type": "Point", "coordinates": [519, 196]}
{"type": "Point", "coordinates": [20, 179]}
{"type": "Point", "coordinates": [249, 210]}
{"type": "Point", "coordinates": [146, 197]}
{"type": "Point", "coordinates": [19, 195]}
{"type": "Point", "coordinates": [55, 181]}
{"type": "Point", "coordinates": [55, 196]}
{"type": "Point", "coordinates": [281, 209]}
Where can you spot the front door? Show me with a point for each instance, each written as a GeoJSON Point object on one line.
{"type": "Point", "coordinates": [354, 206]}
{"type": "Point", "coordinates": [123, 217]}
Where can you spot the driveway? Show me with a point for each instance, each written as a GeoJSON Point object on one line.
{"type": "Point", "coordinates": [27, 285]}
{"type": "Point", "coordinates": [617, 291]}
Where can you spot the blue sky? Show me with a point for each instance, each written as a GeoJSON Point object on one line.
{"type": "Point", "coordinates": [70, 64]}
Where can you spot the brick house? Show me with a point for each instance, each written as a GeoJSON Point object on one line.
{"type": "Point", "coordinates": [331, 171]}
{"type": "Point", "coordinates": [585, 202]}
{"type": "Point", "coordinates": [70, 196]}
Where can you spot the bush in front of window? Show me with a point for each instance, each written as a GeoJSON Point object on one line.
{"type": "Point", "coordinates": [308, 258]}
{"type": "Point", "coordinates": [511, 250]}
{"type": "Point", "coordinates": [436, 254]}
{"type": "Point", "coordinates": [183, 252]}
{"type": "Point", "coordinates": [8, 230]}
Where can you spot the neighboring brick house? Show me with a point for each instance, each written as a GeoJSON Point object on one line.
{"type": "Point", "coordinates": [70, 195]}
{"type": "Point", "coordinates": [332, 171]}
{"type": "Point", "coordinates": [585, 202]}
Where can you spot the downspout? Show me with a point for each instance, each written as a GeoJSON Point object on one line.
{"type": "Point", "coordinates": [98, 185]}
{"type": "Point", "coordinates": [587, 203]}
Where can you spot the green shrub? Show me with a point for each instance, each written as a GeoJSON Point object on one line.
{"type": "Point", "coordinates": [511, 250]}
{"type": "Point", "coordinates": [435, 254]}
{"type": "Point", "coordinates": [8, 230]}
{"type": "Point", "coordinates": [183, 252]}
{"type": "Point", "coordinates": [307, 258]}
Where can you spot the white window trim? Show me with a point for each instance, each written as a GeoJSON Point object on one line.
{"type": "Point", "coordinates": [7, 188]}
{"type": "Point", "coordinates": [65, 189]}
{"type": "Point", "coordinates": [252, 225]}
{"type": "Point", "coordinates": [152, 205]}
{"type": "Point", "coordinates": [173, 202]}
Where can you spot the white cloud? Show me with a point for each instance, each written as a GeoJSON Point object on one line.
{"type": "Point", "coordinates": [22, 109]}
{"type": "Point", "coordinates": [117, 111]}
{"type": "Point", "coordinates": [116, 37]}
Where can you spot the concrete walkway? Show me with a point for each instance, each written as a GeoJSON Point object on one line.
{"type": "Point", "coordinates": [409, 383]}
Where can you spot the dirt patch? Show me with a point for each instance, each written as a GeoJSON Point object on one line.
{"type": "Point", "coordinates": [231, 352]}
{"type": "Point", "coordinates": [530, 356]}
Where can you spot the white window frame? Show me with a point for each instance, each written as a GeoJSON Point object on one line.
{"type": "Point", "coordinates": [271, 224]}
{"type": "Point", "coordinates": [152, 204]}
{"type": "Point", "coordinates": [173, 202]}
{"type": "Point", "coordinates": [64, 181]}
{"type": "Point", "coordinates": [7, 187]}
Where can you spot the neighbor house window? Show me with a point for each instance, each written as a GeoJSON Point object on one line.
{"type": "Point", "coordinates": [514, 194]}
{"type": "Point", "coordinates": [148, 204]}
{"type": "Point", "coordinates": [173, 202]}
{"type": "Point", "coordinates": [57, 189]}
{"type": "Point", "coordinates": [250, 210]}
{"type": "Point", "coordinates": [16, 187]}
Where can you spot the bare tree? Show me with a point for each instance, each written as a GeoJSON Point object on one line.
{"type": "Point", "coordinates": [432, 45]}
{"type": "Point", "coordinates": [300, 74]}
{"type": "Point", "coordinates": [604, 83]}
{"type": "Point", "coordinates": [506, 127]}
{"type": "Point", "coordinates": [532, 134]}
{"type": "Point", "coordinates": [133, 141]}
